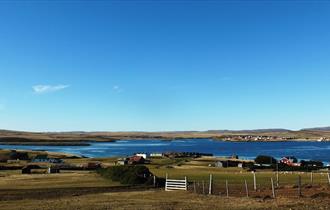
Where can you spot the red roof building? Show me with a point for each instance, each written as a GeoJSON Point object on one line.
{"type": "Point", "coordinates": [136, 160]}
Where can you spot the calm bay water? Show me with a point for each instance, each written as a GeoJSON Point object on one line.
{"type": "Point", "coordinates": [302, 150]}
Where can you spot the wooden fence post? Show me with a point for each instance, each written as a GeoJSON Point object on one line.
{"type": "Point", "coordinates": [328, 177]}
{"type": "Point", "coordinates": [273, 188]}
{"type": "Point", "coordinates": [312, 178]}
{"type": "Point", "coordinates": [227, 189]}
{"type": "Point", "coordinates": [277, 177]}
{"type": "Point", "coordinates": [246, 189]}
{"type": "Point", "coordinates": [194, 187]}
{"type": "Point", "coordinates": [254, 181]}
{"type": "Point", "coordinates": [299, 186]}
{"type": "Point", "coordinates": [210, 185]}
{"type": "Point", "coordinates": [203, 187]}
{"type": "Point", "coordinates": [154, 181]}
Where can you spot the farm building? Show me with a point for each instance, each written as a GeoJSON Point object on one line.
{"type": "Point", "coordinates": [27, 169]}
{"type": "Point", "coordinates": [122, 162]}
{"type": "Point", "coordinates": [92, 166]}
{"type": "Point", "coordinates": [185, 154]}
{"type": "Point", "coordinates": [144, 155]}
{"type": "Point", "coordinates": [290, 161]}
{"type": "Point", "coordinates": [136, 160]}
{"type": "Point", "coordinates": [230, 163]}
{"type": "Point", "coordinates": [156, 155]}
{"type": "Point", "coordinates": [53, 170]}
{"type": "Point", "coordinates": [312, 163]}
{"type": "Point", "coordinates": [45, 159]}
{"type": "Point", "coordinates": [218, 164]}
{"type": "Point", "coordinates": [40, 169]}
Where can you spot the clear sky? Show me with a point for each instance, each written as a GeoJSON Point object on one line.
{"type": "Point", "coordinates": [164, 65]}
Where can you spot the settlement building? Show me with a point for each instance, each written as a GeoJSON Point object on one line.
{"type": "Point", "coordinates": [156, 155]}
{"type": "Point", "coordinates": [45, 159]}
{"type": "Point", "coordinates": [290, 161]}
{"type": "Point", "coordinates": [144, 155]}
{"type": "Point", "coordinates": [136, 160]}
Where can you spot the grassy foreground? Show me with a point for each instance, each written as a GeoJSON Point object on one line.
{"type": "Point", "coordinates": [88, 190]}
{"type": "Point", "coordinates": [162, 200]}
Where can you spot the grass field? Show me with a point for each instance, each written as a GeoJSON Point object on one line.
{"type": "Point", "coordinates": [68, 179]}
{"type": "Point", "coordinates": [88, 190]}
{"type": "Point", "coordinates": [198, 170]}
{"type": "Point", "coordinates": [237, 176]}
{"type": "Point", "coordinates": [163, 201]}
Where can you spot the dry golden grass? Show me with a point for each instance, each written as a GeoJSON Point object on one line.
{"type": "Point", "coordinates": [87, 190]}
{"type": "Point", "coordinates": [68, 179]}
{"type": "Point", "coordinates": [163, 201]}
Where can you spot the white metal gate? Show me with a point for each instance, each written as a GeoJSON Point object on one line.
{"type": "Point", "coordinates": [175, 184]}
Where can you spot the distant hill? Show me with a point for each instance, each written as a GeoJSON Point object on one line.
{"type": "Point", "coordinates": [81, 137]}
{"type": "Point", "coordinates": [317, 129]}
{"type": "Point", "coordinates": [270, 130]}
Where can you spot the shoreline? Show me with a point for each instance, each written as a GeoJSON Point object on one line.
{"type": "Point", "coordinates": [87, 143]}
{"type": "Point", "coordinates": [87, 138]}
{"type": "Point", "coordinates": [46, 143]}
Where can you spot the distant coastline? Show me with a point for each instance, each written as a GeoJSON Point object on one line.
{"type": "Point", "coordinates": [85, 138]}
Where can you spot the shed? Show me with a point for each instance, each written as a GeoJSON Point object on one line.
{"type": "Point", "coordinates": [44, 158]}
{"type": "Point", "coordinates": [218, 164]}
{"type": "Point", "coordinates": [27, 169]}
{"type": "Point", "coordinates": [122, 162]}
{"type": "Point", "coordinates": [144, 155]}
{"type": "Point", "coordinates": [156, 155]}
{"type": "Point", "coordinates": [136, 160]}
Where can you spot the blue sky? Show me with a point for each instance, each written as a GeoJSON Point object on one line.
{"type": "Point", "coordinates": [164, 65]}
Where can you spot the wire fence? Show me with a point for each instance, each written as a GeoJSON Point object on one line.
{"type": "Point", "coordinates": [289, 184]}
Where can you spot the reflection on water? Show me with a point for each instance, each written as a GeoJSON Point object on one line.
{"type": "Point", "coordinates": [302, 150]}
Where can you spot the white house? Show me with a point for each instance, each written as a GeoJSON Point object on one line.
{"type": "Point", "coordinates": [156, 155]}
{"type": "Point", "coordinates": [144, 155]}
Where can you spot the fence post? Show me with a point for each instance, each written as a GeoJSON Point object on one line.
{"type": "Point", "coordinates": [254, 181]}
{"type": "Point", "coordinates": [194, 187]}
{"type": "Point", "coordinates": [328, 177]}
{"type": "Point", "coordinates": [246, 189]}
{"type": "Point", "coordinates": [311, 178]}
{"type": "Point", "coordinates": [227, 188]}
{"type": "Point", "coordinates": [277, 177]}
{"type": "Point", "coordinates": [203, 187]}
{"type": "Point", "coordinates": [273, 188]}
{"type": "Point", "coordinates": [166, 181]}
{"type": "Point", "coordinates": [154, 181]}
{"type": "Point", "coordinates": [299, 186]}
{"type": "Point", "coordinates": [210, 185]}
{"type": "Point", "coordinates": [185, 178]}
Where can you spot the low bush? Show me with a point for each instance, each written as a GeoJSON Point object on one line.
{"type": "Point", "coordinates": [263, 159]}
{"type": "Point", "coordinates": [128, 175]}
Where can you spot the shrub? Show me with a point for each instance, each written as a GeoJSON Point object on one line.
{"type": "Point", "coordinates": [311, 163]}
{"type": "Point", "coordinates": [263, 159]}
{"type": "Point", "coordinates": [130, 175]}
